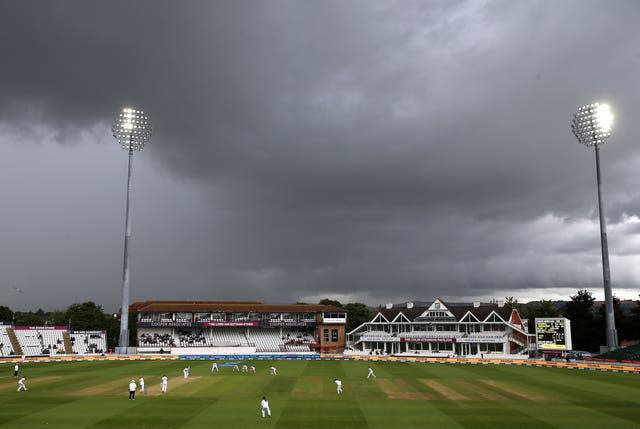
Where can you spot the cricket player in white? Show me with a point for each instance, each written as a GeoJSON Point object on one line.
{"type": "Point", "coordinates": [338, 385]}
{"type": "Point", "coordinates": [214, 367]}
{"type": "Point", "coordinates": [15, 370]}
{"type": "Point", "coordinates": [371, 374]}
{"type": "Point", "coordinates": [245, 368]}
{"type": "Point", "coordinates": [21, 385]}
{"type": "Point", "coordinates": [141, 383]}
{"type": "Point", "coordinates": [165, 384]}
{"type": "Point", "coordinates": [236, 368]}
{"type": "Point", "coordinates": [252, 369]}
{"type": "Point", "coordinates": [186, 372]}
{"type": "Point", "coordinates": [264, 405]}
{"type": "Point", "coordinates": [273, 370]}
{"type": "Point", "coordinates": [132, 390]}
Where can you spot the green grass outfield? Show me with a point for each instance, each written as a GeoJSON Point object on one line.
{"type": "Point", "coordinates": [405, 395]}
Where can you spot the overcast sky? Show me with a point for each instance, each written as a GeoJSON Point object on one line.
{"type": "Point", "coordinates": [360, 150]}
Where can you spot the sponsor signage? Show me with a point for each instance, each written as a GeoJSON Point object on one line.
{"type": "Point", "coordinates": [287, 323]}
{"type": "Point", "coordinates": [230, 324]}
{"type": "Point", "coordinates": [41, 328]}
{"type": "Point", "coordinates": [497, 340]}
{"type": "Point", "coordinates": [427, 340]}
{"type": "Point", "coordinates": [88, 332]}
{"type": "Point", "coordinates": [380, 339]}
{"type": "Point", "coordinates": [170, 324]}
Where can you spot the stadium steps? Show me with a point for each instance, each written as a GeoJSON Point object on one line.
{"type": "Point", "coordinates": [68, 345]}
{"type": "Point", "coordinates": [14, 341]}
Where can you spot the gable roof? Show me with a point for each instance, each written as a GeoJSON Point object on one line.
{"type": "Point", "coordinates": [459, 311]}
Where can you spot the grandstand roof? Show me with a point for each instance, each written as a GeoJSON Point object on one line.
{"type": "Point", "coordinates": [228, 306]}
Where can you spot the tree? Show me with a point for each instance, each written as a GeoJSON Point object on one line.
{"type": "Point", "coordinates": [357, 314]}
{"type": "Point", "coordinates": [28, 319]}
{"type": "Point", "coordinates": [634, 321]}
{"type": "Point", "coordinates": [544, 308]}
{"type": "Point", "coordinates": [584, 326]}
{"type": "Point", "coordinates": [85, 317]}
{"type": "Point", "coordinates": [328, 301]}
{"type": "Point", "coordinates": [512, 303]}
{"type": "Point", "coordinates": [57, 318]}
{"type": "Point", "coordinates": [6, 315]}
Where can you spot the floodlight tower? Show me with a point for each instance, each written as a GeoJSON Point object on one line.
{"type": "Point", "coordinates": [132, 130]}
{"type": "Point", "coordinates": [592, 126]}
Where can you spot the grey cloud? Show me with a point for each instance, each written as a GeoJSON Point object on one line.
{"type": "Point", "coordinates": [341, 147]}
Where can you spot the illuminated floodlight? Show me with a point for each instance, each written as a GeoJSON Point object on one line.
{"type": "Point", "coordinates": [592, 124]}
{"type": "Point", "coordinates": [131, 129]}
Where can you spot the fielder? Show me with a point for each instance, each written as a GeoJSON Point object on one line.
{"type": "Point", "coordinates": [273, 370]}
{"type": "Point", "coordinates": [264, 405]}
{"type": "Point", "coordinates": [214, 367]}
{"type": "Point", "coordinates": [338, 386]}
{"type": "Point", "coordinates": [141, 383]}
{"type": "Point", "coordinates": [15, 370]}
{"type": "Point", "coordinates": [236, 368]}
{"type": "Point", "coordinates": [186, 372]}
{"type": "Point", "coordinates": [371, 374]}
{"type": "Point", "coordinates": [252, 369]}
{"type": "Point", "coordinates": [245, 368]}
{"type": "Point", "coordinates": [164, 384]}
{"type": "Point", "coordinates": [21, 385]}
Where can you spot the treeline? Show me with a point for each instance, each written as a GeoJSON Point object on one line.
{"type": "Point", "coordinates": [587, 320]}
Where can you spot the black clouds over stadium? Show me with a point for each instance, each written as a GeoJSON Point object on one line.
{"type": "Point", "coordinates": [360, 150]}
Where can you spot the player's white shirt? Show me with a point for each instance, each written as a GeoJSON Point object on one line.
{"type": "Point", "coordinates": [264, 403]}
{"type": "Point", "coordinates": [15, 368]}
{"type": "Point", "coordinates": [273, 370]}
{"type": "Point", "coordinates": [165, 384]}
{"type": "Point", "coordinates": [132, 386]}
{"type": "Point", "coordinates": [338, 383]}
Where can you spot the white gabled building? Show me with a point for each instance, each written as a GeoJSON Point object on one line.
{"type": "Point", "coordinates": [461, 330]}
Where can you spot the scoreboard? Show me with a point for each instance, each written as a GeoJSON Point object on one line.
{"type": "Point", "coordinates": [553, 333]}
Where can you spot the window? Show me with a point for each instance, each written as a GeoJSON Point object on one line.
{"type": "Point", "coordinates": [325, 335]}
{"type": "Point", "coordinates": [334, 335]}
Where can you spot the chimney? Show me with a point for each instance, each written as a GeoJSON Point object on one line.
{"type": "Point", "coordinates": [409, 304]}
{"type": "Point", "coordinates": [476, 304]}
{"type": "Point", "coordinates": [388, 305]}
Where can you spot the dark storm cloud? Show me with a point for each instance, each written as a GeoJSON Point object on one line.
{"type": "Point", "coordinates": [373, 150]}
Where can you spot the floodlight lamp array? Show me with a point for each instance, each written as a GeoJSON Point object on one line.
{"type": "Point", "coordinates": [592, 124]}
{"type": "Point", "coordinates": [132, 129]}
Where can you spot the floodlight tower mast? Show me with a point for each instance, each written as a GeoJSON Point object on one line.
{"type": "Point", "coordinates": [132, 130]}
{"type": "Point", "coordinates": [592, 126]}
